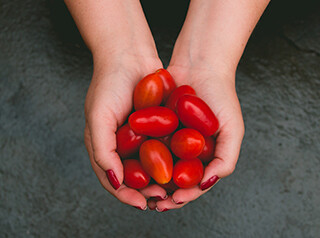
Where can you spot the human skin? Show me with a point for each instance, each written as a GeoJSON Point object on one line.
{"type": "Point", "coordinates": [123, 52]}
{"type": "Point", "coordinates": [206, 56]}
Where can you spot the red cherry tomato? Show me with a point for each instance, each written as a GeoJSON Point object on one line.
{"type": "Point", "coordinates": [187, 143]}
{"type": "Point", "coordinates": [187, 173]}
{"type": "Point", "coordinates": [177, 93]}
{"type": "Point", "coordinates": [148, 92]}
{"type": "Point", "coordinates": [154, 121]}
{"type": "Point", "coordinates": [128, 143]}
{"type": "Point", "coordinates": [134, 175]}
{"type": "Point", "coordinates": [208, 150]}
{"type": "Point", "coordinates": [168, 83]}
{"type": "Point", "coordinates": [156, 160]}
{"type": "Point", "coordinates": [194, 113]}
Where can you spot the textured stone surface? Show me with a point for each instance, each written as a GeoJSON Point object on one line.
{"type": "Point", "coordinates": [48, 188]}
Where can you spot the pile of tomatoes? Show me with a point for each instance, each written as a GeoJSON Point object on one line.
{"type": "Point", "coordinates": [169, 137]}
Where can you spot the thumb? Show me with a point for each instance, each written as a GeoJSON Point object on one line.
{"type": "Point", "coordinates": [102, 128]}
{"type": "Point", "coordinates": [228, 144]}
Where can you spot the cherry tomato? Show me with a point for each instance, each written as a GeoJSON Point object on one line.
{"type": "Point", "coordinates": [208, 150]}
{"type": "Point", "coordinates": [128, 143]}
{"type": "Point", "coordinates": [187, 143]}
{"type": "Point", "coordinates": [187, 173]}
{"type": "Point", "coordinates": [168, 83]}
{"type": "Point", "coordinates": [177, 93]}
{"type": "Point", "coordinates": [156, 160]}
{"type": "Point", "coordinates": [148, 92]}
{"type": "Point", "coordinates": [134, 175]}
{"type": "Point", "coordinates": [154, 121]}
{"type": "Point", "coordinates": [194, 113]}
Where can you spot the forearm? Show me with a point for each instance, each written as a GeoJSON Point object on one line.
{"type": "Point", "coordinates": [113, 27]}
{"type": "Point", "coordinates": [216, 32]}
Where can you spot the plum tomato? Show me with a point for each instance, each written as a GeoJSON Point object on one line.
{"type": "Point", "coordinates": [154, 121]}
{"type": "Point", "coordinates": [208, 150]}
{"type": "Point", "coordinates": [177, 93]}
{"type": "Point", "coordinates": [156, 159]}
{"type": "Point", "coordinates": [194, 113]}
{"type": "Point", "coordinates": [134, 174]}
{"type": "Point", "coordinates": [187, 143]}
{"type": "Point", "coordinates": [168, 83]}
{"type": "Point", "coordinates": [148, 92]}
{"type": "Point", "coordinates": [128, 143]}
{"type": "Point", "coordinates": [187, 173]}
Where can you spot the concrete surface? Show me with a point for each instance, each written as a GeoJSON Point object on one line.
{"type": "Point", "coordinates": [48, 188]}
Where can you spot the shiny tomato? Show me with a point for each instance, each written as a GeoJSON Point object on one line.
{"type": "Point", "coordinates": [194, 113]}
{"type": "Point", "coordinates": [177, 93]}
{"type": "Point", "coordinates": [148, 92]}
{"type": "Point", "coordinates": [208, 150]}
{"type": "Point", "coordinates": [154, 121]}
{"type": "Point", "coordinates": [168, 83]}
{"type": "Point", "coordinates": [156, 159]}
{"type": "Point", "coordinates": [187, 143]}
{"type": "Point", "coordinates": [187, 173]}
{"type": "Point", "coordinates": [128, 143]}
{"type": "Point", "coordinates": [134, 174]}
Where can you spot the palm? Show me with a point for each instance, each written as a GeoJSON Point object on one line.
{"type": "Point", "coordinates": [219, 93]}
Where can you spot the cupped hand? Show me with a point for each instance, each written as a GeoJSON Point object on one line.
{"type": "Point", "coordinates": [108, 104]}
{"type": "Point", "coordinates": [218, 91]}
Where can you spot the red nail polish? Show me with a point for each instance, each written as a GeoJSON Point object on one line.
{"type": "Point", "coordinates": [210, 182]}
{"type": "Point", "coordinates": [178, 203]}
{"type": "Point", "coordinates": [164, 210]}
{"type": "Point", "coordinates": [159, 198]}
{"type": "Point", "coordinates": [113, 179]}
{"type": "Point", "coordinates": [140, 208]}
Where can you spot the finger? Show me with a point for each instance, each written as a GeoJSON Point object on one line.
{"type": "Point", "coordinates": [152, 204]}
{"type": "Point", "coordinates": [102, 129]}
{"type": "Point", "coordinates": [168, 204]}
{"type": "Point", "coordinates": [154, 191]}
{"type": "Point", "coordinates": [124, 194]}
{"type": "Point", "coordinates": [186, 195]}
{"type": "Point", "coordinates": [228, 144]}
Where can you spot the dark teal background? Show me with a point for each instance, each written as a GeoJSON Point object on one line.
{"type": "Point", "coordinates": [47, 186]}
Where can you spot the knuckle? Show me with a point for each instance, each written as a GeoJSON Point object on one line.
{"type": "Point", "coordinates": [230, 168]}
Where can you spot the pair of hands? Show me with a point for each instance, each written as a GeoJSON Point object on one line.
{"type": "Point", "coordinates": [109, 102]}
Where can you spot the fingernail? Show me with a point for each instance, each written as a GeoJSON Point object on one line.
{"type": "Point", "coordinates": [159, 198]}
{"type": "Point", "coordinates": [113, 179]}
{"type": "Point", "coordinates": [176, 202]}
{"type": "Point", "coordinates": [140, 208]}
{"type": "Point", "coordinates": [163, 210]}
{"type": "Point", "coordinates": [210, 182]}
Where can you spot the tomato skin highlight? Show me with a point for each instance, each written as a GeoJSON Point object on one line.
{"type": "Point", "coordinates": [208, 150]}
{"type": "Point", "coordinates": [148, 92]}
{"type": "Point", "coordinates": [177, 93]}
{"type": "Point", "coordinates": [188, 173]}
{"type": "Point", "coordinates": [168, 83]}
{"type": "Point", "coordinates": [187, 143]}
{"type": "Point", "coordinates": [194, 113]}
{"type": "Point", "coordinates": [156, 160]}
{"type": "Point", "coordinates": [154, 121]}
{"type": "Point", "coordinates": [128, 143]}
{"type": "Point", "coordinates": [134, 174]}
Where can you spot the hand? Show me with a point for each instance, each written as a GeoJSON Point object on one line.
{"type": "Point", "coordinates": [108, 104]}
{"type": "Point", "coordinates": [218, 91]}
